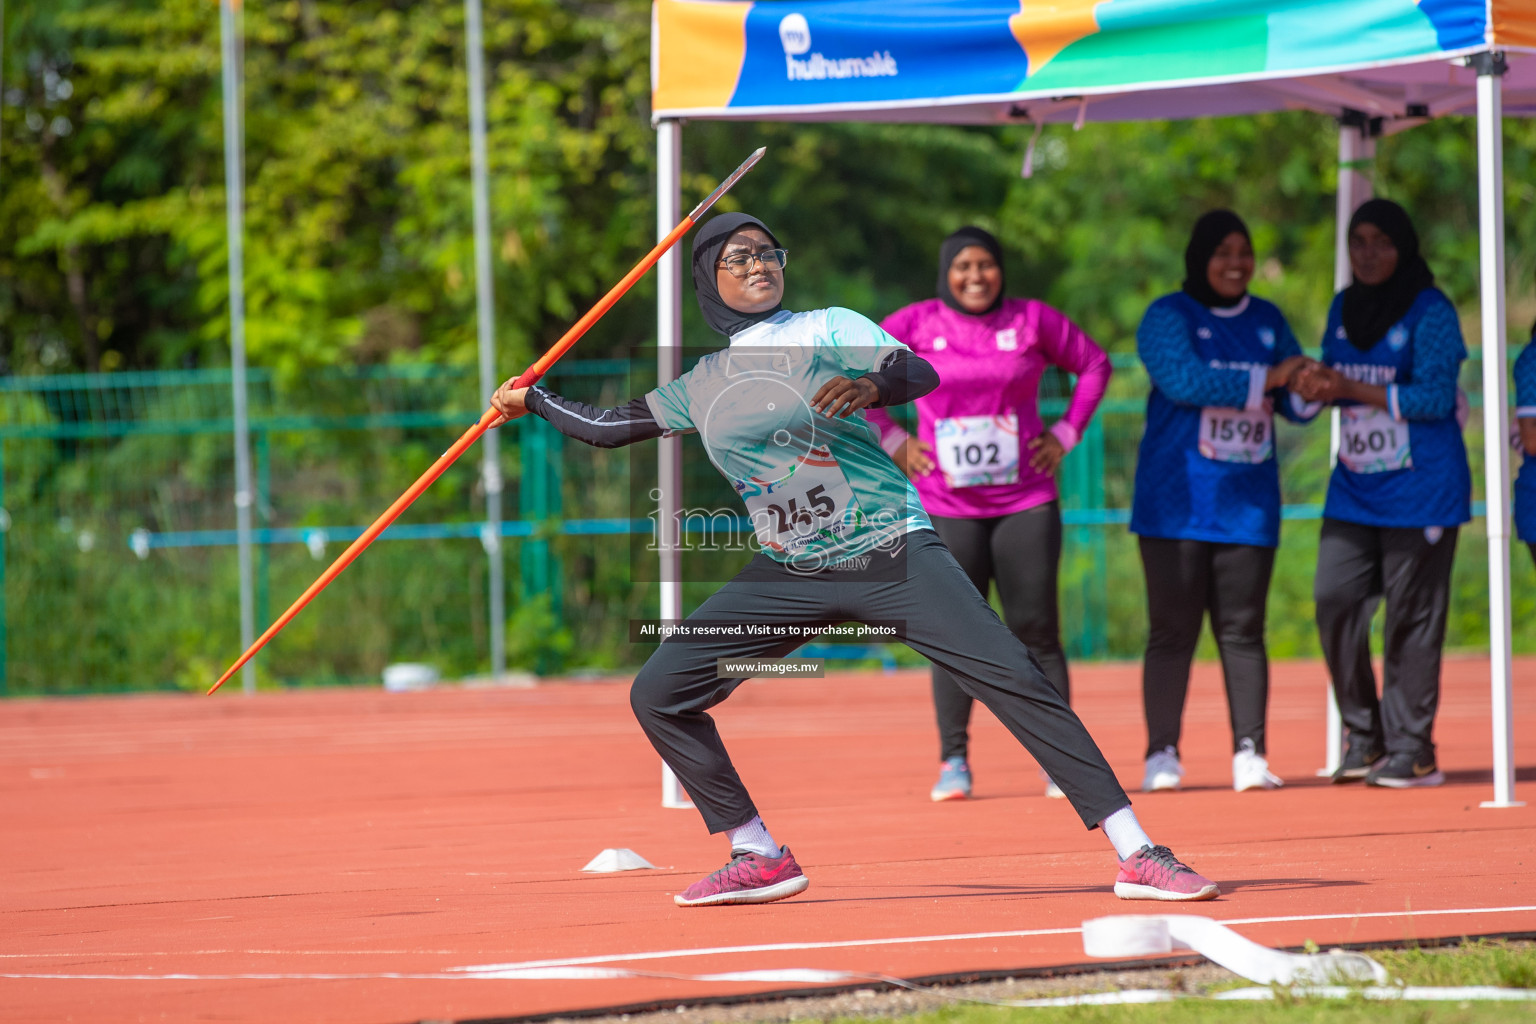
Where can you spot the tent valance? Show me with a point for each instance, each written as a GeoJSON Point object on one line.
{"type": "Point", "coordinates": [992, 62]}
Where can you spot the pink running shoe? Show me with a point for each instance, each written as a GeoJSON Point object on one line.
{"type": "Point", "coordinates": [748, 878]}
{"type": "Point", "coordinates": [1154, 873]}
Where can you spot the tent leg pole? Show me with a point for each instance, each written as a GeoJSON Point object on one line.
{"type": "Point", "coordinates": [485, 334]}
{"type": "Point", "coordinates": [1357, 148]}
{"type": "Point", "coordinates": [1490, 192]}
{"type": "Point", "coordinates": [669, 366]}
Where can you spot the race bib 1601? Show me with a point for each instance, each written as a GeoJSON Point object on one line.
{"type": "Point", "coordinates": [1371, 441]}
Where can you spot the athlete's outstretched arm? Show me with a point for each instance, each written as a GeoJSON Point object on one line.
{"type": "Point", "coordinates": [601, 428]}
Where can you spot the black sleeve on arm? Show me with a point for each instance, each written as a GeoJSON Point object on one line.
{"type": "Point", "coordinates": [600, 428]}
{"type": "Point", "coordinates": [903, 378]}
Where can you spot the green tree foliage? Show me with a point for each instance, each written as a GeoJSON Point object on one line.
{"type": "Point", "coordinates": [358, 241]}
{"type": "Point", "coordinates": [359, 251]}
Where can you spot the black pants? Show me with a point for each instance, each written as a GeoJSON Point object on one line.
{"type": "Point", "coordinates": [1359, 567]}
{"type": "Point", "coordinates": [1185, 580]}
{"type": "Point", "coordinates": [1022, 553]}
{"type": "Point", "coordinates": [940, 615]}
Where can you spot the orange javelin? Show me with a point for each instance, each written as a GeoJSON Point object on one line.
{"type": "Point", "coordinates": [490, 418]}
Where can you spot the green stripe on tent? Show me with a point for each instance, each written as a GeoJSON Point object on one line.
{"type": "Point", "coordinates": [1118, 56]}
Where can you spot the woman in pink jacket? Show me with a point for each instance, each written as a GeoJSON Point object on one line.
{"type": "Point", "coordinates": [984, 463]}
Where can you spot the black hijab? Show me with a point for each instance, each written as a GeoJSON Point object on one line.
{"type": "Point", "coordinates": [1370, 310]}
{"type": "Point", "coordinates": [1210, 231]}
{"type": "Point", "coordinates": [950, 248]}
{"type": "Point", "coordinates": [706, 253]}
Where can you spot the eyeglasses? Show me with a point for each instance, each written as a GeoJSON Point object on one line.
{"type": "Point", "coordinates": [740, 264]}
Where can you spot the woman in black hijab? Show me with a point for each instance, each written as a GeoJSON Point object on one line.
{"type": "Point", "coordinates": [983, 458]}
{"type": "Point", "coordinates": [1206, 509]}
{"type": "Point", "coordinates": [1392, 352]}
{"type": "Point", "coordinates": [842, 538]}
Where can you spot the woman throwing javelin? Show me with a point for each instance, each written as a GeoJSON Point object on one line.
{"type": "Point", "coordinates": [993, 501]}
{"type": "Point", "coordinates": [843, 539]}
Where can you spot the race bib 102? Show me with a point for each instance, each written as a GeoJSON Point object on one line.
{"type": "Point", "coordinates": [977, 450]}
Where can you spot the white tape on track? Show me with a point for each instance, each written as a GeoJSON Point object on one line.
{"type": "Point", "coordinates": [1119, 937]}
{"type": "Point", "coordinates": [1126, 937]}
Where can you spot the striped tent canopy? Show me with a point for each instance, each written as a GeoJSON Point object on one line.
{"type": "Point", "coordinates": [989, 62]}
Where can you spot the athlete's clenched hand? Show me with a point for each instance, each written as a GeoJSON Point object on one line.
{"type": "Point", "coordinates": [842, 397]}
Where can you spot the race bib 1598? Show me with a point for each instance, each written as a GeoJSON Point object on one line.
{"type": "Point", "coordinates": [1237, 435]}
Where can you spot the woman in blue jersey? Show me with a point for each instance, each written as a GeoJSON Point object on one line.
{"type": "Point", "coordinates": [1525, 418]}
{"type": "Point", "coordinates": [1392, 351]}
{"type": "Point", "coordinates": [843, 538]}
{"type": "Point", "coordinates": [1207, 505]}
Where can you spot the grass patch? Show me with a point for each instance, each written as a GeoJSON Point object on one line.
{"type": "Point", "coordinates": [1479, 962]}
{"type": "Point", "coordinates": [1192, 1012]}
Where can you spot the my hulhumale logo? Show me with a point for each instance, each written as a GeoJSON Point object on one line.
{"type": "Point", "coordinates": [795, 35]}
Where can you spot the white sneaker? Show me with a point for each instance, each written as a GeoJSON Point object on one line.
{"type": "Point", "coordinates": [1052, 790]}
{"type": "Point", "coordinates": [1251, 771]}
{"type": "Point", "coordinates": [1163, 771]}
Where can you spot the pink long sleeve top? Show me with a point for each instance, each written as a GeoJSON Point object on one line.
{"type": "Point", "coordinates": [986, 408]}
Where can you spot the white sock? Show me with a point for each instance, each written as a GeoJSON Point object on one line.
{"type": "Point", "coordinates": [1125, 832]}
{"type": "Point", "coordinates": [754, 838]}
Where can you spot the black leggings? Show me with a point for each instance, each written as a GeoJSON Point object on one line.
{"type": "Point", "coordinates": [1186, 579]}
{"type": "Point", "coordinates": [1359, 568]}
{"type": "Point", "coordinates": [1021, 553]}
{"type": "Point", "coordinates": [939, 615]}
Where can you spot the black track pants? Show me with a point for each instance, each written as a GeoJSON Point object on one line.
{"type": "Point", "coordinates": [1358, 568]}
{"type": "Point", "coordinates": [941, 616]}
{"type": "Point", "coordinates": [1022, 553]}
{"type": "Point", "coordinates": [1185, 580]}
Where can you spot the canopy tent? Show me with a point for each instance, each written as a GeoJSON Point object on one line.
{"type": "Point", "coordinates": [1113, 60]}
{"type": "Point", "coordinates": [1377, 65]}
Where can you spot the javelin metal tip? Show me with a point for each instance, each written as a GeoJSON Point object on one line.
{"type": "Point", "coordinates": [725, 186]}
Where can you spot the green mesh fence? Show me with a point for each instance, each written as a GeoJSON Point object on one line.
{"type": "Point", "coordinates": [117, 542]}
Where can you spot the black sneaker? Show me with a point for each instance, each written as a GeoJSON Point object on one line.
{"type": "Point", "coordinates": [1403, 771]}
{"type": "Point", "coordinates": [1359, 757]}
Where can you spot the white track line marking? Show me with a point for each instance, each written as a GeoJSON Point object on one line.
{"type": "Point", "coordinates": [572, 968]}
{"type": "Point", "coordinates": [962, 937]}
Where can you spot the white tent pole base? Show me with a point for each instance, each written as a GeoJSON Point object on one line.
{"type": "Point", "coordinates": [1357, 149]}
{"type": "Point", "coordinates": [672, 794]}
{"type": "Point", "coordinates": [1490, 200]}
{"type": "Point", "coordinates": [669, 365]}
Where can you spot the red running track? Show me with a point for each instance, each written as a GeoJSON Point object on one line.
{"type": "Point", "coordinates": [290, 856]}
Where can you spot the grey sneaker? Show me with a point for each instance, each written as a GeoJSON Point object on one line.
{"type": "Point", "coordinates": [1164, 772]}
{"type": "Point", "coordinates": [1404, 771]}
{"type": "Point", "coordinates": [1359, 758]}
{"type": "Point", "coordinates": [954, 781]}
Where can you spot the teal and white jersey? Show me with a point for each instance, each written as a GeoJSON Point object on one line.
{"type": "Point", "coordinates": [817, 489]}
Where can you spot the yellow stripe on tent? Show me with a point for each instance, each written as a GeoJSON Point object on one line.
{"type": "Point", "coordinates": [1045, 29]}
{"type": "Point", "coordinates": [705, 45]}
